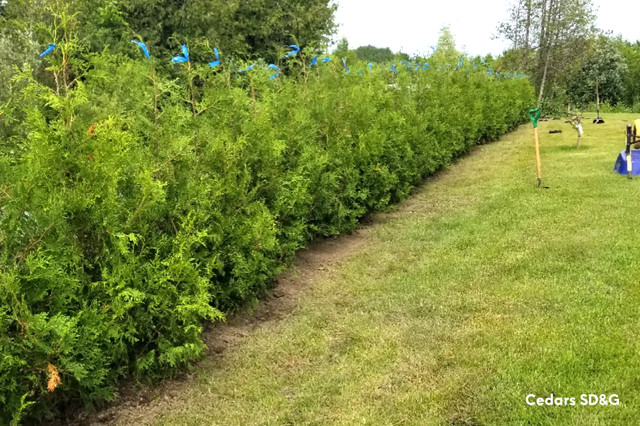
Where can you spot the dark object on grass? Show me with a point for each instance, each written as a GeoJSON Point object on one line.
{"type": "Point", "coordinates": [598, 120]}
{"type": "Point", "coordinates": [555, 131]}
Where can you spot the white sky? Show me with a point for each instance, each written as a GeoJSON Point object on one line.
{"type": "Point", "coordinates": [413, 25]}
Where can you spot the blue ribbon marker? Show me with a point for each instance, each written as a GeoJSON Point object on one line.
{"type": "Point", "coordinates": [408, 65]}
{"type": "Point", "coordinates": [142, 46]}
{"type": "Point", "coordinates": [217, 61]}
{"type": "Point", "coordinates": [460, 63]}
{"type": "Point", "coordinates": [274, 67]}
{"type": "Point", "coordinates": [184, 58]}
{"type": "Point", "coordinates": [49, 49]}
{"type": "Point", "coordinates": [314, 61]}
{"type": "Point", "coordinates": [426, 66]}
{"type": "Point", "coordinates": [325, 60]}
{"type": "Point", "coordinates": [344, 62]}
{"type": "Point", "coordinates": [359, 72]}
{"type": "Point", "coordinates": [370, 67]}
{"type": "Point", "coordinates": [394, 69]}
{"type": "Point", "coordinates": [249, 68]}
{"type": "Point", "coordinates": [294, 52]}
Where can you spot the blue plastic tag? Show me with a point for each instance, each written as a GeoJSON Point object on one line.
{"type": "Point", "coordinates": [142, 46]}
{"type": "Point", "coordinates": [294, 52]}
{"type": "Point", "coordinates": [274, 67]}
{"type": "Point", "coordinates": [184, 58]}
{"type": "Point", "coordinates": [49, 50]}
{"type": "Point", "coordinates": [217, 61]}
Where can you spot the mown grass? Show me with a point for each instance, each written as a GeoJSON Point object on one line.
{"type": "Point", "coordinates": [479, 290]}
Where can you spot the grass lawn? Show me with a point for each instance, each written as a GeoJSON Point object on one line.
{"type": "Point", "coordinates": [478, 291]}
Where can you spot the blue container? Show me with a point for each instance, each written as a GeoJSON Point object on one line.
{"type": "Point", "coordinates": [621, 162]}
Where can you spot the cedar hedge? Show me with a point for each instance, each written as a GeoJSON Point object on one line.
{"type": "Point", "coordinates": [136, 204]}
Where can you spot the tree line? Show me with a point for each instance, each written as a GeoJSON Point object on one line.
{"type": "Point", "coordinates": [570, 60]}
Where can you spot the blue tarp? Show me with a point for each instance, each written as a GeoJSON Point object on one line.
{"type": "Point", "coordinates": [621, 162]}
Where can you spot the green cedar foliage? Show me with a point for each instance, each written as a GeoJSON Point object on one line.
{"type": "Point", "coordinates": [255, 28]}
{"type": "Point", "coordinates": [135, 205]}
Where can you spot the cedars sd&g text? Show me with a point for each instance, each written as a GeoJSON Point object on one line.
{"type": "Point", "coordinates": [584, 399]}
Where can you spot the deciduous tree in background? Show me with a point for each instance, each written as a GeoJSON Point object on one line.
{"type": "Point", "coordinates": [549, 39]}
{"type": "Point", "coordinates": [446, 51]}
{"type": "Point", "coordinates": [631, 54]}
{"type": "Point", "coordinates": [601, 75]}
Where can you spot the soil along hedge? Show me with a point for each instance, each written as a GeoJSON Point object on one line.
{"type": "Point", "coordinates": [136, 204]}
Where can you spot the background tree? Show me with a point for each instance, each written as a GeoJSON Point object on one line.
{"type": "Point", "coordinates": [549, 39]}
{"type": "Point", "coordinates": [631, 54]}
{"type": "Point", "coordinates": [375, 54]}
{"type": "Point", "coordinates": [446, 52]}
{"type": "Point", "coordinates": [342, 48]}
{"type": "Point", "coordinates": [518, 30]}
{"type": "Point", "coordinates": [601, 76]}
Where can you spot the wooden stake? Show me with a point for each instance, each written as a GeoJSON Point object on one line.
{"type": "Point", "coordinates": [534, 115]}
{"type": "Point", "coordinates": [538, 165]}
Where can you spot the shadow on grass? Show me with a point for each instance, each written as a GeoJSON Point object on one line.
{"type": "Point", "coordinates": [567, 148]}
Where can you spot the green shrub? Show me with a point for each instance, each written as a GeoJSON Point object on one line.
{"type": "Point", "coordinates": [136, 205]}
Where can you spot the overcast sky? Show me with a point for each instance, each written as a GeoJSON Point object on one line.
{"type": "Point", "coordinates": [413, 25]}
